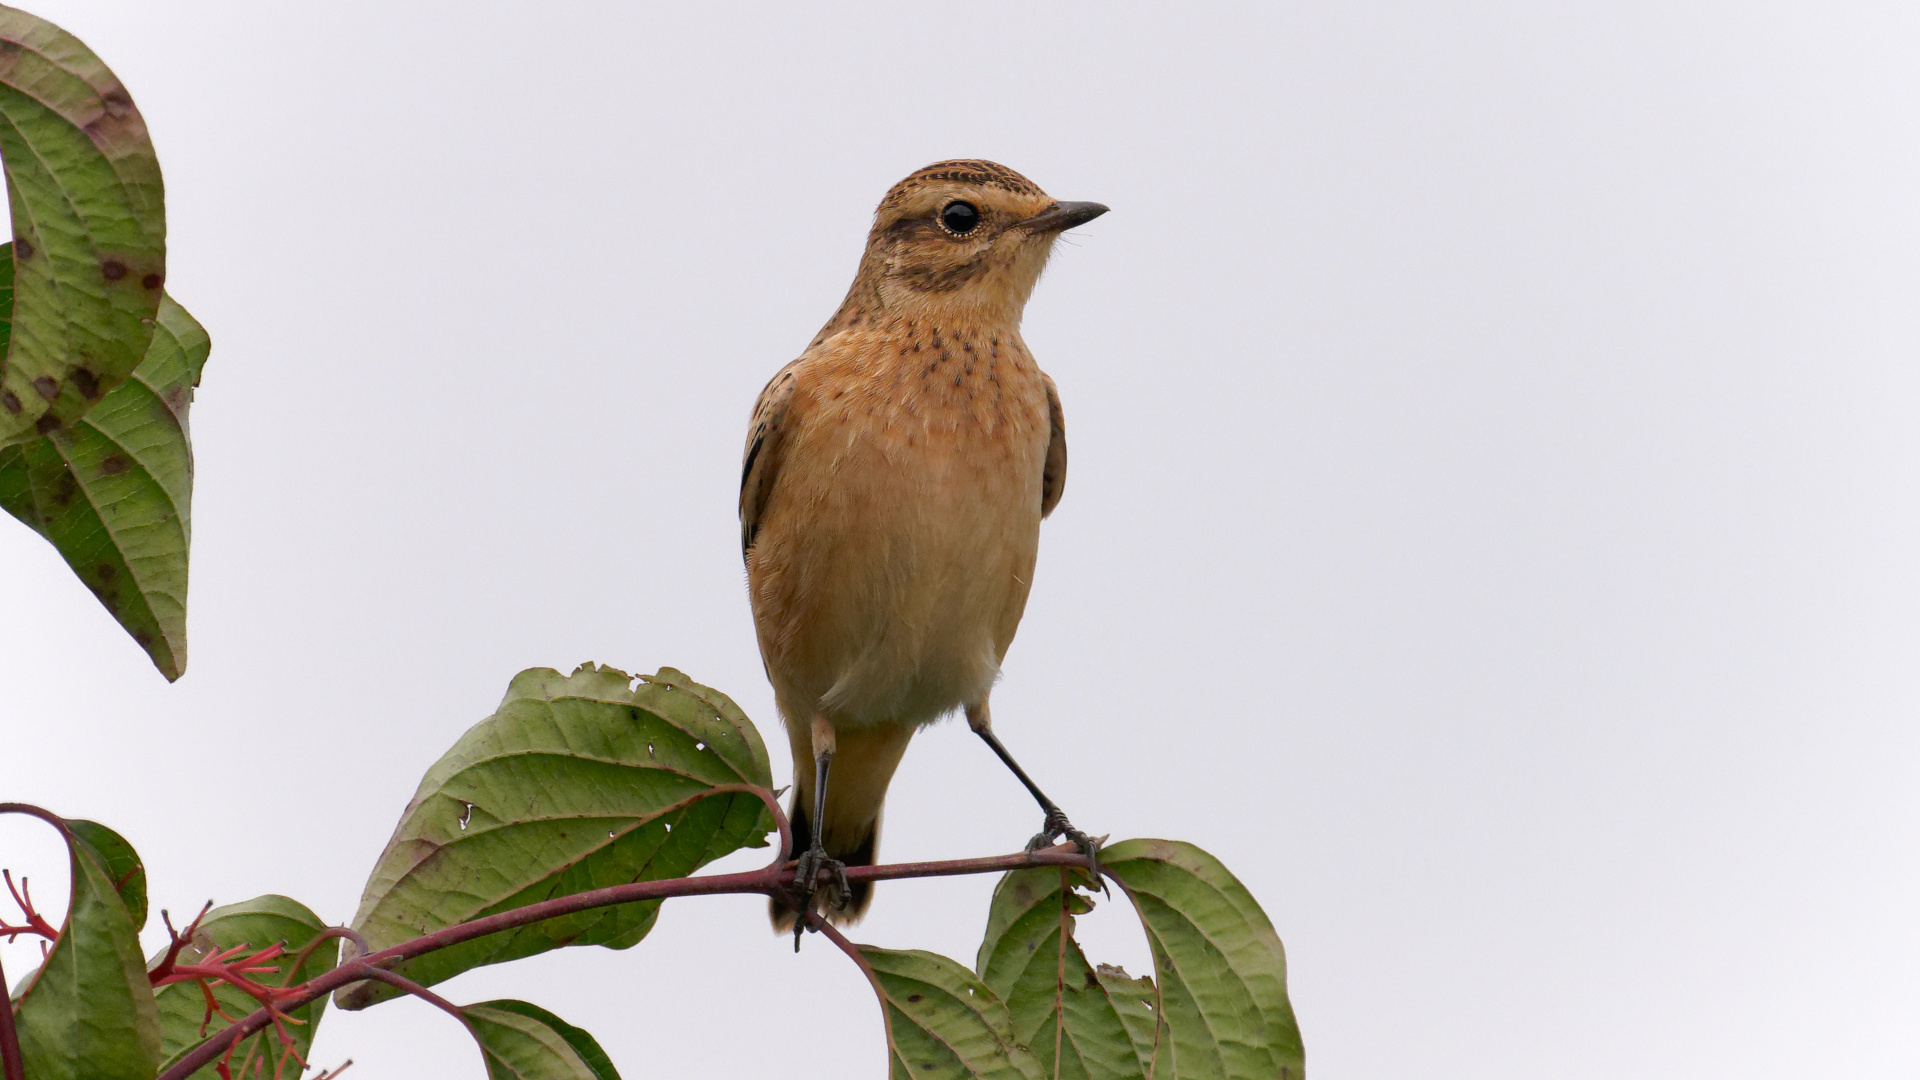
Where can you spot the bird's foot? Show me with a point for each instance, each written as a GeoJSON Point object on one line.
{"type": "Point", "coordinates": [806, 875]}
{"type": "Point", "coordinates": [1057, 827]}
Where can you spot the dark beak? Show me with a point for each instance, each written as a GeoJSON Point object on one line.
{"type": "Point", "coordinates": [1063, 215]}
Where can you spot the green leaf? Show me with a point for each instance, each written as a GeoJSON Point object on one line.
{"type": "Point", "coordinates": [1137, 1001]}
{"type": "Point", "coordinates": [88, 1013]}
{"type": "Point", "coordinates": [942, 1022]}
{"type": "Point", "coordinates": [112, 492]}
{"type": "Point", "coordinates": [1218, 964]}
{"type": "Point", "coordinates": [1031, 960]}
{"type": "Point", "coordinates": [576, 783]}
{"type": "Point", "coordinates": [84, 188]}
{"type": "Point", "coordinates": [256, 924]}
{"type": "Point", "coordinates": [122, 863]}
{"type": "Point", "coordinates": [526, 1042]}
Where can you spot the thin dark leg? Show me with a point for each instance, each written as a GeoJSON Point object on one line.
{"type": "Point", "coordinates": [1046, 804]}
{"type": "Point", "coordinates": [821, 766]}
{"type": "Point", "coordinates": [1055, 825]}
{"type": "Point", "coordinates": [815, 858]}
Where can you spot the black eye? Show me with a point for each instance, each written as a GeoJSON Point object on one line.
{"type": "Point", "coordinates": [960, 218]}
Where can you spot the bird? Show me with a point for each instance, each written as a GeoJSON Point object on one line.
{"type": "Point", "coordinates": [891, 493]}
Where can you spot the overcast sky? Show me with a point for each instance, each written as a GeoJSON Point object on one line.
{"type": "Point", "coordinates": [1492, 527]}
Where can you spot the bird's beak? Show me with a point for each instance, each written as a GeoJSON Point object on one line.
{"type": "Point", "coordinates": [1063, 215]}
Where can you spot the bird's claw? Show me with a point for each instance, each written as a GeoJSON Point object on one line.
{"type": "Point", "coordinates": [1057, 827]}
{"type": "Point", "coordinates": [806, 875]}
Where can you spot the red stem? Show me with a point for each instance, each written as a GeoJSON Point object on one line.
{"type": "Point", "coordinates": [14, 1066]}
{"type": "Point", "coordinates": [10, 1057]}
{"type": "Point", "coordinates": [769, 880]}
{"type": "Point", "coordinates": [414, 988]}
{"type": "Point", "coordinates": [774, 878]}
{"type": "Point", "coordinates": [176, 941]}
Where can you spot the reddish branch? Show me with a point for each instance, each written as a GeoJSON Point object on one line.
{"type": "Point", "coordinates": [176, 941]}
{"type": "Point", "coordinates": [776, 878]}
{"type": "Point", "coordinates": [10, 1061]}
{"type": "Point", "coordinates": [23, 897]}
{"type": "Point", "coordinates": [768, 881]}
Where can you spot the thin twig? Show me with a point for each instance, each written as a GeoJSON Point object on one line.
{"type": "Point", "coordinates": [409, 986]}
{"type": "Point", "coordinates": [11, 1060]}
{"type": "Point", "coordinates": [770, 880]}
{"type": "Point", "coordinates": [23, 899]}
{"type": "Point", "coordinates": [329, 934]}
{"type": "Point", "coordinates": [11, 1063]}
{"type": "Point", "coordinates": [176, 941]}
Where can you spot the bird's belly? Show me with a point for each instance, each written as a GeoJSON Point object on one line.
{"type": "Point", "coordinates": [887, 586]}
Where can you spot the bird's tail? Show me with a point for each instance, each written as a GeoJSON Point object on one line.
{"type": "Point", "coordinates": [863, 763]}
{"type": "Point", "coordinates": [862, 854]}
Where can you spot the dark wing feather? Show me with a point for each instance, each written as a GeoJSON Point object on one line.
{"type": "Point", "coordinates": [765, 441]}
{"type": "Point", "coordinates": [1053, 481]}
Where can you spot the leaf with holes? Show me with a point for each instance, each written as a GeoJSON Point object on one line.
{"type": "Point", "coordinates": [88, 1013]}
{"type": "Point", "coordinates": [1222, 1007]}
{"type": "Point", "coordinates": [1056, 1001]}
{"type": "Point", "coordinates": [113, 491]}
{"type": "Point", "coordinates": [1137, 1002]}
{"type": "Point", "coordinates": [942, 1022]}
{"type": "Point", "coordinates": [526, 1042]}
{"type": "Point", "coordinates": [255, 924]}
{"type": "Point", "coordinates": [88, 223]}
{"type": "Point", "coordinates": [577, 782]}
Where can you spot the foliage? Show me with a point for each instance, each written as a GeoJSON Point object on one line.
{"type": "Point", "coordinates": [575, 783]}
{"type": "Point", "coordinates": [522, 1040]}
{"type": "Point", "coordinates": [99, 365]}
{"type": "Point", "coordinates": [547, 825]}
{"type": "Point", "coordinates": [564, 819]}
{"type": "Point", "coordinates": [189, 1006]}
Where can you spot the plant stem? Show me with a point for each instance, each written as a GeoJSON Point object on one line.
{"type": "Point", "coordinates": [770, 880]}
{"type": "Point", "coordinates": [421, 992]}
{"type": "Point", "coordinates": [10, 1059]}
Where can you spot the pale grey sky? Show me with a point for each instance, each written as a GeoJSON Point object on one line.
{"type": "Point", "coordinates": [1492, 526]}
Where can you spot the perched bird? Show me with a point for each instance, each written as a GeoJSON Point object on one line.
{"type": "Point", "coordinates": [890, 503]}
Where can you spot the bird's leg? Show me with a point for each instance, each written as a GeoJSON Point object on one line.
{"type": "Point", "coordinates": [815, 858]}
{"type": "Point", "coordinates": [1055, 825]}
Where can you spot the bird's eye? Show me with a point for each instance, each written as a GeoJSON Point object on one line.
{"type": "Point", "coordinates": [960, 218]}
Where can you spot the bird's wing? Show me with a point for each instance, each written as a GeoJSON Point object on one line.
{"type": "Point", "coordinates": [1053, 479]}
{"type": "Point", "coordinates": [765, 441]}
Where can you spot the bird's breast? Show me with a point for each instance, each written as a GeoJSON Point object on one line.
{"type": "Point", "coordinates": [899, 544]}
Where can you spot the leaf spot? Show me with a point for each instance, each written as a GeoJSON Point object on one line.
{"type": "Point", "coordinates": [22, 248]}
{"type": "Point", "coordinates": [47, 387]}
{"type": "Point", "coordinates": [113, 270]}
{"type": "Point", "coordinates": [152, 281]}
{"type": "Point", "coordinates": [913, 997]}
{"type": "Point", "coordinates": [466, 815]}
{"type": "Point", "coordinates": [11, 402]}
{"type": "Point", "coordinates": [114, 465]}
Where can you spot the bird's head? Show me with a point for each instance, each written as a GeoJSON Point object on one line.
{"type": "Point", "coordinates": [964, 240]}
